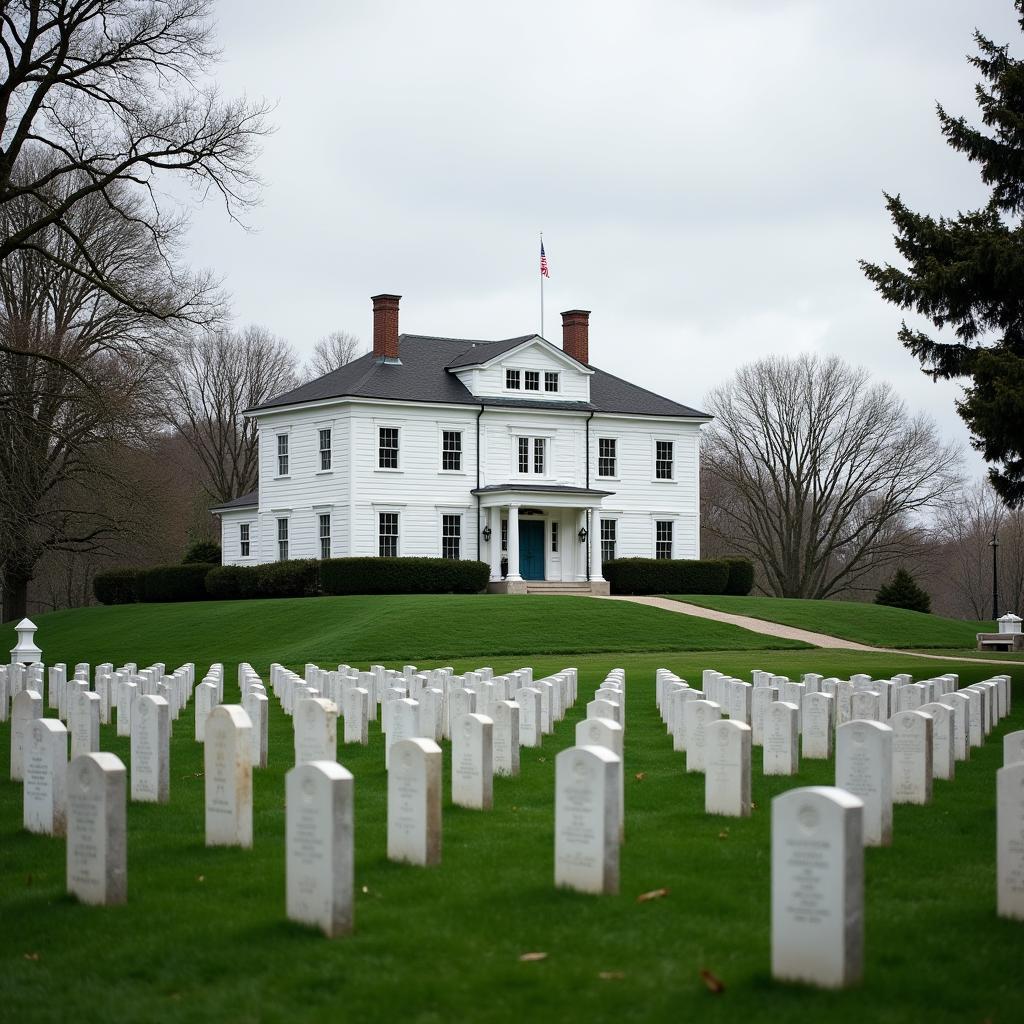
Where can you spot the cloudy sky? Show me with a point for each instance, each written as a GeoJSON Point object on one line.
{"type": "Point", "coordinates": [706, 172]}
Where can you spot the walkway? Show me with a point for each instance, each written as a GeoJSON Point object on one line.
{"type": "Point", "coordinates": [766, 628]}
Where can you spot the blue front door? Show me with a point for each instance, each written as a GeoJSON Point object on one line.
{"type": "Point", "coordinates": [531, 550]}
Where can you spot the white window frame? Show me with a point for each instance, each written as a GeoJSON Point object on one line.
{"type": "Point", "coordinates": [460, 536]}
{"type": "Point", "coordinates": [613, 522]}
{"type": "Point", "coordinates": [539, 378]}
{"type": "Point", "coordinates": [558, 382]}
{"type": "Point", "coordinates": [614, 475]}
{"type": "Point", "coordinates": [285, 540]}
{"type": "Point", "coordinates": [377, 513]}
{"type": "Point", "coordinates": [663, 518]}
{"type": "Point", "coordinates": [518, 386]}
{"type": "Point", "coordinates": [548, 443]}
{"type": "Point", "coordinates": [328, 451]}
{"type": "Point", "coordinates": [286, 455]}
{"type": "Point", "coordinates": [377, 428]}
{"type": "Point", "coordinates": [245, 542]}
{"type": "Point", "coordinates": [320, 517]}
{"type": "Point", "coordinates": [451, 429]}
{"type": "Point", "coordinates": [654, 455]}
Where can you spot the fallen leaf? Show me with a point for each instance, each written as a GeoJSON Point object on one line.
{"type": "Point", "coordinates": [640, 776]}
{"type": "Point", "coordinates": [654, 894]}
{"type": "Point", "coordinates": [31, 956]}
{"type": "Point", "coordinates": [753, 806]}
{"type": "Point", "coordinates": [529, 958]}
{"type": "Point", "coordinates": [200, 878]}
{"type": "Point", "coordinates": [611, 975]}
{"type": "Point", "coordinates": [723, 834]}
{"type": "Point", "coordinates": [366, 888]}
{"type": "Point", "coordinates": [713, 984]}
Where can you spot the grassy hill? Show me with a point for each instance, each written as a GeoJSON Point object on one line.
{"type": "Point", "coordinates": [871, 624]}
{"type": "Point", "coordinates": [361, 630]}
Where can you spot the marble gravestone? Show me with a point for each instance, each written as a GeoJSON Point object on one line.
{"type": "Point", "coordinates": [319, 846]}
{"type": "Point", "coordinates": [97, 855]}
{"type": "Point", "coordinates": [151, 751]}
{"type": "Point", "coordinates": [473, 761]}
{"type": "Point", "coordinates": [26, 707]}
{"type": "Point", "coordinates": [781, 739]}
{"type": "Point", "coordinates": [943, 723]}
{"type": "Point", "coordinates": [911, 757]}
{"type": "Point", "coordinates": [698, 714]}
{"type": "Point", "coordinates": [505, 750]}
{"type": "Point", "coordinates": [43, 792]}
{"type": "Point", "coordinates": [403, 724]}
{"type": "Point", "coordinates": [818, 725]}
{"type": "Point", "coordinates": [603, 732]}
{"type": "Point", "coordinates": [587, 820]}
{"type": "Point", "coordinates": [356, 708]}
{"type": "Point", "coordinates": [227, 758]}
{"type": "Point", "coordinates": [1010, 841]}
{"type": "Point", "coordinates": [316, 730]}
{"type": "Point", "coordinates": [530, 733]}
{"type": "Point", "coordinates": [817, 887]}
{"type": "Point", "coordinates": [727, 768]}
{"type": "Point", "coordinates": [960, 706]}
{"type": "Point", "coordinates": [206, 701]}
{"type": "Point", "coordinates": [84, 722]}
{"type": "Point", "coordinates": [414, 802]}
{"type": "Point", "coordinates": [257, 707]}
{"type": "Point", "coordinates": [864, 768]}
{"type": "Point", "coordinates": [1013, 747]}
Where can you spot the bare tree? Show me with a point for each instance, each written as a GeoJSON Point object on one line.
{"type": "Point", "coordinates": [212, 380]}
{"type": "Point", "coordinates": [333, 351]}
{"type": "Point", "coordinates": [820, 472]}
{"type": "Point", "coordinates": [117, 93]}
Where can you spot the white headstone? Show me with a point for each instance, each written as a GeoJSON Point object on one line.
{"type": "Point", "coordinates": [357, 715]}
{"type": "Point", "coordinates": [864, 768]}
{"type": "Point", "coordinates": [603, 732]}
{"type": "Point", "coordinates": [316, 730]}
{"type": "Point", "coordinates": [697, 716]}
{"type": "Point", "coordinates": [151, 751]}
{"type": "Point", "coordinates": [943, 722]}
{"type": "Point", "coordinates": [257, 707]}
{"type": "Point", "coordinates": [1010, 841]}
{"type": "Point", "coordinates": [97, 854]}
{"type": "Point", "coordinates": [472, 761]}
{"type": "Point", "coordinates": [414, 802]}
{"type": "Point", "coordinates": [529, 700]}
{"type": "Point", "coordinates": [84, 723]}
{"type": "Point", "coordinates": [227, 760]}
{"type": "Point", "coordinates": [818, 725]}
{"type": "Point", "coordinates": [781, 739]}
{"type": "Point", "coordinates": [911, 757]}
{"type": "Point", "coordinates": [26, 707]}
{"type": "Point", "coordinates": [727, 768]}
{"type": "Point", "coordinates": [46, 761]}
{"type": "Point", "coordinates": [505, 715]}
{"type": "Point", "coordinates": [1013, 747]}
{"type": "Point", "coordinates": [206, 701]}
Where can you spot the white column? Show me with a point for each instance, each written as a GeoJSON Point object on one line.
{"type": "Point", "coordinates": [513, 544]}
{"type": "Point", "coordinates": [595, 547]}
{"type": "Point", "coordinates": [495, 543]}
{"type": "Point", "coordinates": [580, 549]}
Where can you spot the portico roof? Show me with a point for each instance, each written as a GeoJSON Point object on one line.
{"type": "Point", "coordinates": [562, 495]}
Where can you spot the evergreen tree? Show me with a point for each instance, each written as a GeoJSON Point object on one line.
{"type": "Point", "coordinates": [902, 591]}
{"type": "Point", "coordinates": [967, 273]}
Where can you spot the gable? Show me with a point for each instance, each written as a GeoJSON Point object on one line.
{"type": "Point", "coordinates": [532, 370]}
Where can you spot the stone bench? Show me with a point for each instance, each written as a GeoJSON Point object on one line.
{"type": "Point", "coordinates": [1001, 641]}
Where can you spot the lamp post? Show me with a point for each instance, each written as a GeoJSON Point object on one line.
{"type": "Point", "coordinates": [994, 545]}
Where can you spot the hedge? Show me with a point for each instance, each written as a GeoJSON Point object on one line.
{"type": "Point", "coordinates": [298, 577]}
{"type": "Point", "coordinates": [666, 576]}
{"type": "Point", "coordinates": [175, 582]}
{"type": "Point", "coordinates": [403, 576]}
{"type": "Point", "coordinates": [118, 586]}
{"type": "Point", "coordinates": [206, 552]}
{"type": "Point", "coordinates": [741, 577]}
{"type": "Point", "coordinates": [232, 582]}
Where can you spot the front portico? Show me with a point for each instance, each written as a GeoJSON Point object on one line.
{"type": "Point", "coordinates": [542, 538]}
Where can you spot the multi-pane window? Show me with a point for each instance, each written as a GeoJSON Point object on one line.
{"type": "Point", "coordinates": [539, 447]}
{"type": "Point", "coordinates": [531, 380]}
{"type": "Point", "coordinates": [663, 538]}
{"type": "Point", "coordinates": [282, 454]}
{"type": "Point", "coordinates": [243, 539]}
{"type": "Point", "coordinates": [551, 380]}
{"type": "Point", "coordinates": [554, 538]}
{"type": "Point", "coordinates": [606, 456]}
{"type": "Point", "coordinates": [387, 534]}
{"type": "Point", "coordinates": [504, 535]}
{"type": "Point", "coordinates": [524, 455]}
{"type": "Point", "coordinates": [663, 460]}
{"type": "Point", "coordinates": [512, 380]}
{"type": "Point", "coordinates": [387, 447]}
{"type": "Point", "coordinates": [607, 540]}
{"type": "Point", "coordinates": [325, 536]}
{"type": "Point", "coordinates": [282, 540]}
{"type": "Point", "coordinates": [451, 536]}
{"type": "Point", "coordinates": [451, 449]}
{"type": "Point", "coordinates": [325, 449]}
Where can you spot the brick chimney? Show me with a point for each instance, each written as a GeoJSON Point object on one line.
{"type": "Point", "coordinates": [385, 327]}
{"type": "Point", "coordinates": [576, 334]}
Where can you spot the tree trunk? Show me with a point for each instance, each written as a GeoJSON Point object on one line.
{"type": "Point", "coordinates": [15, 601]}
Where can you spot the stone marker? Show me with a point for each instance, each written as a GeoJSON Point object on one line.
{"type": "Point", "coordinates": [316, 730]}
{"type": "Point", "coordinates": [403, 724]}
{"type": "Point", "coordinates": [126, 698]}
{"type": "Point", "coordinates": [473, 761]}
{"type": "Point", "coordinates": [818, 886]}
{"type": "Point", "coordinates": [227, 758]}
{"type": "Point", "coordinates": [781, 739]}
{"type": "Point", "coordinates": [257, 707]}
{"type": "Point", "coordinates": [84, 723]}
{"type": "Point", "coordinates": [97, 855]}
{"type": "Point", "coordinates": [911, 757]}
{"type": "Point", "coordinates": [761, 699]}
{"type": "Point", "coordinates": [319, 846]}
{"type": "Point", "coordinates": [603, 732]}
{"type": "Point", "coordinates": [357, 716]}
{"type": "Point", "coordinates": [1010, 841]}
{"type": "Point", "coordinates": [46, 761]}
{"type": "Point", "coordinates": [26, 707]}
{"type": "Point", "coordinates": [151, 751]}
{"type": "Point", "coordinates": [414, 802]}
{"type": "Point", "coordinates": [943, 721]}
{"type": "Point", "coordinates": [818, 725]}
{"type": "Point", "coordinates": [864, 768]}
{"type": "Point", "coordinates": [587, 820]}
{"type": "Point", "coordinates": [697, 715]}
{"type": "Point", "coordinates": [206, 701]}
{"type": "Point", "coordinates": [727, 768]}
{"type": "Point", "coordinates": [961, 709]}
{"type": "Point", "coordinates": [505, 715]}
{"type": "Point", "coordinates": [1013, 747]}
{"type": "Point", "coordinates": [529, 700]}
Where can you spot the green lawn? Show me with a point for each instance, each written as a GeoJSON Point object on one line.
{"type": "Point", "coordinates": [203, 936]}
{"type": "Point", "coordinates": [872, 624]}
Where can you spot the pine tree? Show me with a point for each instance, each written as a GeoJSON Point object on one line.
{"type": "Point", "coordinates": [967, 273]}
{"type": "Point", "coordinates": [902, 591]}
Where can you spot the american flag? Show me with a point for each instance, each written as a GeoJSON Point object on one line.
{"type": "Point", "coordinates": [543, 262]}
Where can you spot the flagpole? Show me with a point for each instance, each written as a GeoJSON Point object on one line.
{"type": "Point", "coordinates": [542, 291]}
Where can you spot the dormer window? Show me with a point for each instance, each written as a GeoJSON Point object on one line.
{"type": "Point", "coordinates": [512, 380]}
{"type": "Point", "coordinates": [551, 380]}
{"type": "Point", "coordinates": [531, 380]}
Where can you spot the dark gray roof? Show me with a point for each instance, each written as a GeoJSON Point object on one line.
{"type": "Point", "coordinates": [545, 488]}
{"type": "Point", "coordinates": [249, 500]}
{"type": "Point", "coordinates": [423, 376]}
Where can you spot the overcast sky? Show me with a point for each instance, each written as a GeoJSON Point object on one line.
{"type": "Point", "coordinates": [706, 172]}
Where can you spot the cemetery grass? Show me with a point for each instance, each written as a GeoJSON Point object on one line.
{"type": "Point", "coordinates": [873, 624]}
{"type": "Point", "coordinates": [203, 935]}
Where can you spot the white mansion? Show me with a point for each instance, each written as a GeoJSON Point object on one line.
{"type": "Point", "coordinates": [516, 452]}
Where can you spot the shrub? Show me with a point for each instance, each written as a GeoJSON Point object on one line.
{"type": "Point", "coordinates": [902, 591]}
{"type": "Point", "coordinates": [232, 582]}
{"type": "Point", "coordinates": [666, 576]}
{"type": "Point", "coordinates": [204, 552]}
{"type": "Point", "coordinates": [741, 577]}
{"type": "Point", "coordinates": [298, 577]}
{"type": "Point", "coordinates": [175, 582]}
{"type": "Point", "coordinates": [403, 576]}
{"type": "Point", "coordinates": [118, 586]}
